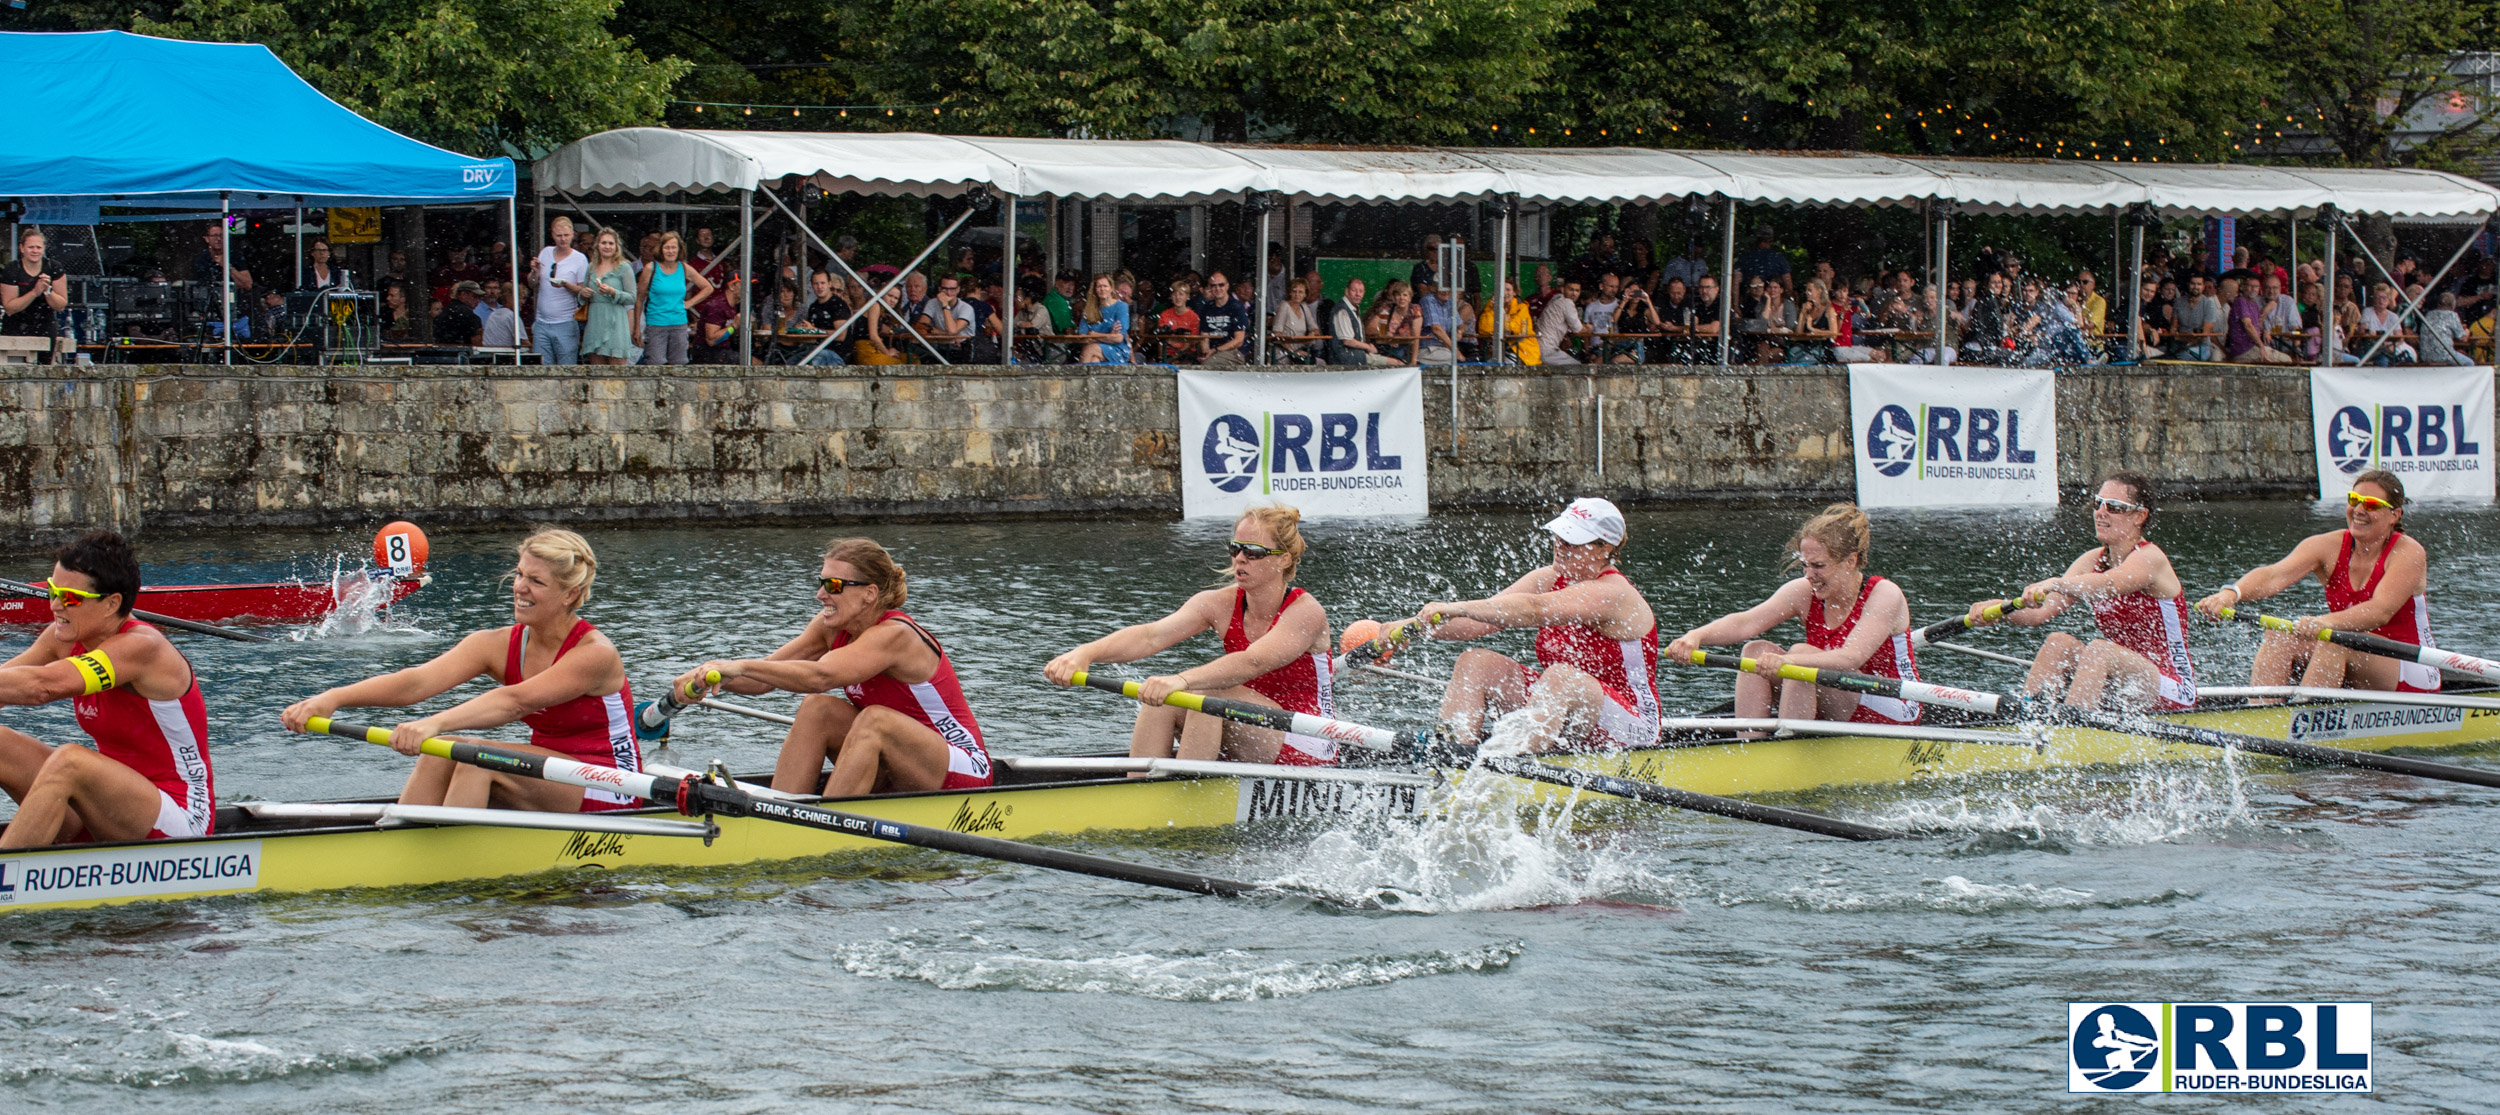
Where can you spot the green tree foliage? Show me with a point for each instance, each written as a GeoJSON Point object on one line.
{"type": "Point", "coordinates": [470, 75]}
{"type": "Point", "coordinates": [2357, 71]}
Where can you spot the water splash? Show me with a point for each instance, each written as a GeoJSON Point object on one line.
{"type": "Point", "coordinates": [969, 962]}
{"type": "Point", "coordinates": [2101, 807]}
{"type": "Point", "coordinates": [359, 603]}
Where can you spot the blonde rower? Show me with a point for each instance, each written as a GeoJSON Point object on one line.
{"type": "Point", "coordinates": [1871, 637]}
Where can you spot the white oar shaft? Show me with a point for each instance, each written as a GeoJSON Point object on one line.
{"type": "Point", "coordinates": [742, 710]}
{"type": "Point", "coordinates": [2436, 658]}
{"type": "Point", "coordinates": [1842, 728]}
{"type": "Point", "coordinates": [1975, 652]}
{"type": "Point", "coordinates": [1926, 694]}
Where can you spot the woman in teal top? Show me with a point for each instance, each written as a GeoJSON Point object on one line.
{"type": "Point", "coordinates": [1106, 315]}
{"type": "Point", "coordinates": [608, 337]}
{"type": "Point", "coordinates": [669, 289]}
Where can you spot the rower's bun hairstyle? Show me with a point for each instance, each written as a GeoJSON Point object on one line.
{"type": "Point", "coordinates": [875, 565]}
{"type": "Point", "coordinates": [2137, 483]}
{"type": "Point", "coordinates": [1841, 528]}
{"type": "Point", "coordinates": [2387, 482]}
{"type": "Point", "coordinates": [107, 557]}
{"type": "Point", "coordinates": [568, 557]}
{"type": "Point", "coordinates": [1285, 525]}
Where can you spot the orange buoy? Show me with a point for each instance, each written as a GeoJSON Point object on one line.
{"type": "Point", "coordinates": [400, 547]}
{"type": "Point", "coordinates": [1359, 632]}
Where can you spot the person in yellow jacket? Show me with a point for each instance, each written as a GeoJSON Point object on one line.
{"type": "Point", "coordinates": [1518, 330]}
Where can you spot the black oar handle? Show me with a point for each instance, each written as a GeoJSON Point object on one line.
{"type": "Point", "coordinates": [23, 589]}
{"type": "Point", "coordinates": [1239, 712]}
{"type": "Point", "coordinates": [1684, 799]}
{"type": "Point", "coordinates": [1827, 678]}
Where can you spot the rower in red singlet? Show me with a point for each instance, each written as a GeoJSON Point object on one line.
{"type": "Point", "coordinates": [553, 671]}
{"type": "Point", "coordinates": [1595, 684]}
{"type": "Point", "coordinates": [2141, 659]}
{"type": "Point", "coordinates": [1873, 637]}
{"type": "Point", "coordinates": [1275, 654]}
{"type": "Point", "coordinates": [134, 694]}
{"type": "Point", "coordinates": [2391, 602]}
{"type": "Point", "coordinates": [900, 723]}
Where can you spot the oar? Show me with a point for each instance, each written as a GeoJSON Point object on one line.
{"type": "Point", "coordinates": [1976, 701]}
{"type": "Point", "coordinates": [1960, 623]}
{"type": "Point", "coordinates": [2434, 657]}
{"type": "Point", "coordinates": [1260, 716]}
{"type": "Point", "coordinates": [651, 718]}
{"type": "Point", "coordinates": [704, 797]}
{"type": "Point", "coordinates": [20, 588]}
{"type": "Point", "coordinates": [1264, 717]}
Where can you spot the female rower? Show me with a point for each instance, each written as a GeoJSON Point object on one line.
{"type": "Point", "coordinates": [1872, 638]}
{"type": "Point", "coordinates": [131, 691]}
{"type": "Point", "coordinates": [2390, 603]}
{"type": "Point", "coordinates": [1595, 684]}
{"type": "Point", "coordinates": [2141, 659]}
{"type": "Point", "coordinates": [899, 723]}
{"type": "Point", "coordinates": [1276, 653]}
{"type": "Point", "coordinates": [552, 671]}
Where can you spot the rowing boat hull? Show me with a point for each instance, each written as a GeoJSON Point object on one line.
{"type": "Point", "coordinates": [283, 602]}
{"type": "Point", "coordinates": [292, 861]}
{"type": "Point", "coordinates": [1803, 764]}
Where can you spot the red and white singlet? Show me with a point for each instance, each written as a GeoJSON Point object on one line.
{"type": "Point", "coordinates": [1302, 685]}
{"type": "Point", "coordinates": [938, 703]}
{"type": "Point", "coordinates": [1893, 658]}
{"type": "Point", "coordinates": [2156, 629]}
{"type": "Point", "coordinates": [2411, 624]}
{"type": "Point", "coordinates": [594, 730]}
{"type": "Point", "coordinates": [1626, 668]}
{"type": "Point", "coordinates": [165, 741]}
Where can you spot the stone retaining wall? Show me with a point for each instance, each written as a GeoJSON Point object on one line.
{"type": "Point", "coordinates": [177, 447]}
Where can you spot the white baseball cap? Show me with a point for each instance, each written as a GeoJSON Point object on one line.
{"type": "Point", "coordinates": [1588, 519]}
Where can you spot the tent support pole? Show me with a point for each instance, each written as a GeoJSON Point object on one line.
{"type": "Point", "coordinates": [2134, 347]}
{"type": "Point", "coordinates": [879, 295]}
{"type": "Point", "coordinates": [225, 269]}
{"type": "Point", "coordinates": [2410, 308]}
{"type": "Point", "coordinates": [1500, 297]}
{"type": "Point", "coordinates": [2117, 244]}
{"type": "Point", "coordinates": [2327, 348]}
{"type": "Point", "coordinates": [746, 275]}
{"type": "Point", "coordinates": [1007, 275]}
{"type": "Point", "coordinates": [1944, 281]}
{"type": "Point", "coordinates": [1258, 312]}
{"type": "Point", "coordinates": [1727, 281]}
{"type": "Point", "coordinates": [512, 216]}
{"type": "Point", "coordinates": [299, 240]}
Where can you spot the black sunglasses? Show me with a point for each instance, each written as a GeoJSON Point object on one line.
{"type": "Point", "coordinates": [1251, 550]}
{"type": "Point", "coordinates": [833, 586]}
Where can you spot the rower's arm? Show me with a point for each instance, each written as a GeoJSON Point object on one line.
{"type": "Point", "coordinates": [470, 658]}
{"type": "Point", "coordinates": [592, 668]}
{"type": "Point", "coordinates": [1466, 623]}
{"type": "Point", "coordinates": [2407, 572]}
{"type": "Point", "coordinates": [41, 673]}
{"type": "Point", "coordinates": [884, 647]}
{"type": "Point", "coordinates": [2315, 554]}
{"type": "Point", "coordinates": [1887, 614]}
{"type": "Point", "coordinates": [1590, 604]}
{"type": "Point", "coordinates": [1129, 644]}
{"type": "Point", "coordinates": [1788, 603]}
{"type": "Point", "coordinates": [2078, 583]}
{"type": "Point", "coordinates": [1295, 632]}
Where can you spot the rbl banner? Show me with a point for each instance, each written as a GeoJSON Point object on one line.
{"type": "Point", "coordinates": [2430, 426]}
{"type": "Point", "coordinates": [1328, 443]}
{"type": "Point", "coordinates": [1954, 437]}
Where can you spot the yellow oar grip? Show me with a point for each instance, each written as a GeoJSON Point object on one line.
{"type": "Point", "coordinates": [439, 748]}
{"type": "Point", "coordinates": [710, 677]}
{"type": "Point", "coordinates": [1993, 612]}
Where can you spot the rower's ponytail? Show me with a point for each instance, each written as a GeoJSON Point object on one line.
{"type": "Point", "coordinates": [1842, 529]}
{"type": "Point", "coordinates": [875, 565]}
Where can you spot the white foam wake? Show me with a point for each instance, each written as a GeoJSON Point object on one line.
{"type": "Point", "coordinates": [967, 962]}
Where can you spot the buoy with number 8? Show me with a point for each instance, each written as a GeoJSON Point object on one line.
{"type": "Point", "coordinates": [400, 547]}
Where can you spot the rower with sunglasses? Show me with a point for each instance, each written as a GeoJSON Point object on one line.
{"type": "Point", "coordinates": [1276, 653]}
{"type": "Point", "coordinates": [2391, 603]}
{"type": "Point", "coordinates": [884, 707]}
{"type": "Point", "coordinates": [1595, 684]}
{"type": "Point", "coordinates": [134, 694]}
{"type": "Point", "coordinates": [2141, 659]}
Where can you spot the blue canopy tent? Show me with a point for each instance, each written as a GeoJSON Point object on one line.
{"type": "Point", "coordinates": [133, 121]}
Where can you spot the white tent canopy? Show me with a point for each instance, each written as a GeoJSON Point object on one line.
{"type": "Point", "coordinates": [642, 161]}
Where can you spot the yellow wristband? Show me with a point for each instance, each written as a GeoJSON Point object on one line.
{"type": "Point", "coordinates": [96, 668]}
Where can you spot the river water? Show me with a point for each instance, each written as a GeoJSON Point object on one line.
{"type": "Point", "coordinates": [1638, 959]}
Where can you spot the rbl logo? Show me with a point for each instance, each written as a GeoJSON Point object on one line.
{"type": "Point", "coordinates": [2356, 439]}
{"type": "Point", "coordinates": [1976, 435]}
{"type": "Point", "coordinates": [1235, 454]}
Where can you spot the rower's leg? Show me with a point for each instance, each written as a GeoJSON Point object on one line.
{"type": "Point", "coordinates": [1563, 708]}
{"type": "Point", "coordinates": [1208, 737]}
{"type": "Point", "coordinates": [78, 786]}
{"type": "Point", "coordinates": [822, 724]}
{"type": "Point", "coordinates": [21, 757]}
{"type": "Point", "coordinates": [430, 782]}
{"type": "Point", "coordinates": [1156, 728]}
{"type": "Point", "coordinates": [2106, 670]}
{"type": "Point", "coordinates": [2055, 666]}
{"type": "Point", "coordinates": [2279, 656]}
{"type": "Point", "coordinates": [2333, 667]}
{"type": "Point", "coordinates": [1756, 696]}
{"type": "Point", "coordinates": [1828, 704]}
{"type": "Point", "coordinates": [1481, 683]}
{"type": "Point", "coordinates": [887, 752]}
{"type": "Point", "coordinates": [472, 787]}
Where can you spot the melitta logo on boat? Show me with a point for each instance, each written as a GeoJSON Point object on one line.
{"type": "Point", "coordinates": [2366, 720]}
{"type": "Point", "coordinates": [1299, 453]}
{"type": "Point", "coordinates": [2218, 1047]}
{"type": "Point", "coordinates": [136, 871]}
{"type": "Point", "coordinates": [1980, 443]}
{"type": "Point", "coordinates": [2400, 439]}
{"type": "Point", "coordinates": [1267, 799]}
